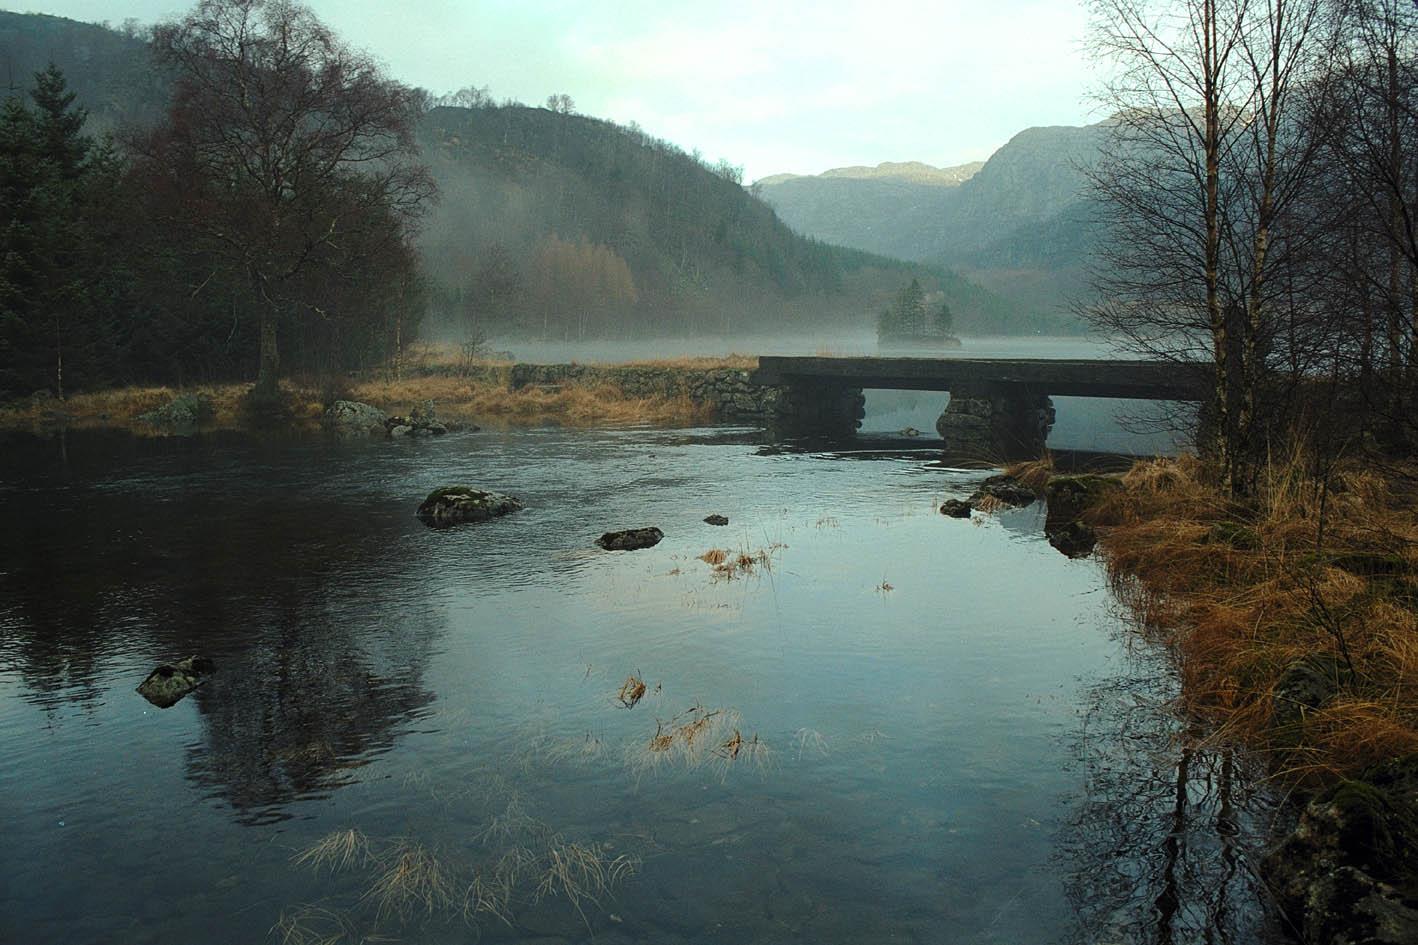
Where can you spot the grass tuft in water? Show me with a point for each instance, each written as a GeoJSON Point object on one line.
{"type": "Point", "coordinates": [337, 852]}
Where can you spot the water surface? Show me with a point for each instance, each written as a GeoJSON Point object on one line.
{"type": "Point", "coordinates": [964, 742]}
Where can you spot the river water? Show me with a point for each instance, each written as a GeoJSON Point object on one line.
{"type": "Point", "coordinates": [946, 731]}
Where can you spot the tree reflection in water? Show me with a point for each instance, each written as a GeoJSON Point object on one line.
{"type": "Point", "coordinates": [1169, 827]}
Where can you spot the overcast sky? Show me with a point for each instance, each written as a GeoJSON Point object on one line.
{"type": "Point", "coordinates": [776, 87]}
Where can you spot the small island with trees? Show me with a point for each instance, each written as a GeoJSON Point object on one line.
{"type": "Point", "coordinates": [915, 318]}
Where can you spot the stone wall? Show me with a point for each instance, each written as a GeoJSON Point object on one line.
{"type": "Point", "coordinates": [728, 391]}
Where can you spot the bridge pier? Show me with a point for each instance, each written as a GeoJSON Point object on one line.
{"type": "Point", "coordinates": [812, 407]}
{"type": "Point", "coordinates": [994, 422]}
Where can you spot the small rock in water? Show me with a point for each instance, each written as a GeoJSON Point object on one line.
{"type": "Point", "coordinates": [1006, 490]}
{"type": "Point", "coordinates": [955, 508]}
{"type": "Point", "coordinates": [632, 539]}
{"type": "Point", "coordinates": [910, 431]}
{"type": "Point", "coordinates": [166, 685]}
{"type": "Point", "coordinates": [716, 520]}
{"type": "Point", "coordinates": [453, 505]}
{"type": "Point", "coordinates": [1074, 539]}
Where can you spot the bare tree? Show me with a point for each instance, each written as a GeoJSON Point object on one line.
{"type": "Point", "coordinates": [1204, 158]}
{"type": "Point", "coordinates": [291, 155]}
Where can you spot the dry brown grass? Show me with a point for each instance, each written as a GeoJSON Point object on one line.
{"type": "Point", "coordinates": [479, 395]}
{"type": "Point", "coordinates": [1034, 474]}
{"type": "Point", "coordinates": [728, 565]}
{"type": "Point", "coordinates": [1242, 592]}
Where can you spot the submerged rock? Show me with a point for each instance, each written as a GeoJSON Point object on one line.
{"type": "Point", "coordinates": [955, 508]}
{"type": "Point", "coordinates": [453, 505]}
{"type": "Point", "coordinates": [352, 418]}
{"type": "Point", "coordinates": [632, 539]}
{"type": "Point", "coordinates": [1341, 874]}
{"type": "Point", "coordinates": [166, 685]}
{"type": "Point", "coordinates": [716, 520]}
{"type": "Point", "coordinates": [1006, 490]}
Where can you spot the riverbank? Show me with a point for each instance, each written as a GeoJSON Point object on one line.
{"type": "Point", "coordinates": [465, 391]}
{"type": "Point", "coordinates": [1293, 620]}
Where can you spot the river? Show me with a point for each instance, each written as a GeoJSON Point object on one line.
{"type": "Point", "coordinates": [947, 731]}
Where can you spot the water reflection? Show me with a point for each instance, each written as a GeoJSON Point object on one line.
{"type": "Point", "coordinates": [1168, 828]}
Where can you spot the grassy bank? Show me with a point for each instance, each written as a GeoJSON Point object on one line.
{"type": "Point", "coordinates": [1293, 617]}
{"type": "Point", "coordinates": [465, 390]}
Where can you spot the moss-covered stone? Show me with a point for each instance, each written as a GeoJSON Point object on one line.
{"type": "Point", "coordinates": [169, 683]}
{"type": "Point", "coordinates": [454, 505]}
{"type": "Point", "coordinates": [183, 412]}
{"type": "Point", "coordinates": [1346, 873]}
{"type": "Point", "coordinates": [1236, 534]}
{"type": "Point", "coordinates": [1068, 497]}
{"type": "Point", "coordinates": [1306, 685]}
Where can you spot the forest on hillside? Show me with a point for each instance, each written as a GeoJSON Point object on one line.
{"type": "Point", "coordinates": [145, 247]}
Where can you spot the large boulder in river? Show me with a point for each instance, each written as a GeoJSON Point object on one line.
{"type": "Point", "coordinates": [453, 505]}
{"type": "Point", "coordinates": [352, 418]}
{"type": "Point", "coordinates": [166, 685]}
{"type": "Point", "coordinates": [632, 539]}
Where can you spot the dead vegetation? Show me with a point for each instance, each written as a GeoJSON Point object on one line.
{"type": "Point", "coordinates": [1033, 474]}
{"type": "Point", "coordinates": [1314, 583]}
{"type": "Point", "coordinates": [697, 737]}
{"type": "Point", "coordinates": [631, 691]}
{"type": "Point", "coordinates": [467, 391]}
{"type": "Point", "coordinates": [728, 565]}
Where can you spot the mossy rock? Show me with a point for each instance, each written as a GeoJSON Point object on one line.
{"type": "Point", "coordinates": [1370, 563]}
{"type": "Point", "coordinates": [185, 411]}
{"type": "Point", "coordinates": [1307, 684]}
{"type": "Point", "coordinates": [1006, 490]}
{"type": "Point", "coordinates": [1239, 536]}
{"type": "Point", "coordinates": [1073, 539]}
{"type": "Point", "coordinates": [1348, 871]}
{"type": "Point", "coordinates": [454, 505]}
{"type": "Point", "coordinates": [1069, 497]}
{"type": "Point", "coordinates": [169, 683]}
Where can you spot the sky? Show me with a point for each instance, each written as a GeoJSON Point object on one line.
{"type": "Point", "coordinates": [776, 87]}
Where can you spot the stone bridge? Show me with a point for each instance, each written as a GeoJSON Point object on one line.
{"type": "Point", "coordinates": [998, 408]}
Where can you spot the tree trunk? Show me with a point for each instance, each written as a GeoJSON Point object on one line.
{"type": "Point", "coordinates": [268, 369]}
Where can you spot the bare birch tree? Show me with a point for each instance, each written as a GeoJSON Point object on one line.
{"type": "Point", "coordinates": [1203, 160]}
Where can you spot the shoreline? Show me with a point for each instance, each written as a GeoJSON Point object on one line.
{"type": "Point", "coordinates": [1292, 620]}
{"type": "Point", "coordinates": [496, 394]}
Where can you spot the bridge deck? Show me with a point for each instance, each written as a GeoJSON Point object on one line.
{"type": "Point", "coordinates": [1142, 380]}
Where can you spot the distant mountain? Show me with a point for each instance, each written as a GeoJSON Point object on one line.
{"type": "Point", "coordinates": [1020, 225]}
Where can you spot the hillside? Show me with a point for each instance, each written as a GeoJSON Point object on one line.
{"type": "Point", "coordinates": [1020, 225]}
{"type": "Point", "coordinates": [702, 252]}
{"type": "Point", "coordinates": [110, 70]}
